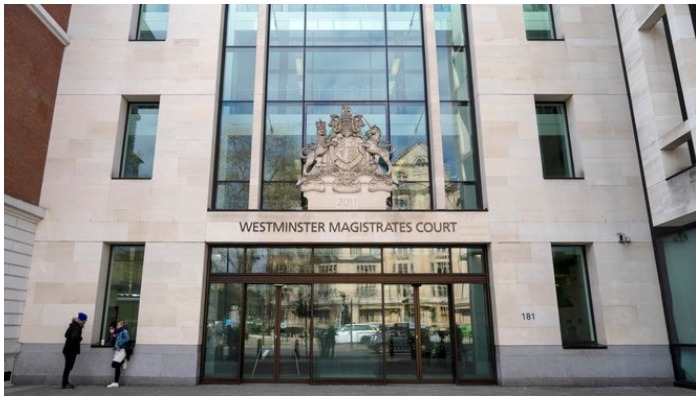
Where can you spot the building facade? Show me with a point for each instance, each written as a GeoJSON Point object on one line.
{"type": "Point", "coordinates": [513, 245]}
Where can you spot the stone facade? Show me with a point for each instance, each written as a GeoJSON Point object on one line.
{"type": "Point", "coordinates": [523, 213]}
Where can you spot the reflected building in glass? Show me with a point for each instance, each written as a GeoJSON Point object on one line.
{"type": "Point", "coordinates": [482, 205]}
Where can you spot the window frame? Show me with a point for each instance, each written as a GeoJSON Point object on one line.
{"type": "Point", "coordinates": [553, 31]}
{"type": "Point", "coordinates": [133, 330]}
{"type": "Point", "coordinates": [136, 37]}
{"type": "Point", "coordinates": [125, 140]}
{"type": "Point", "coordinates": [589, 305]}
{"type": "Point", "coordinates": [570, 154]}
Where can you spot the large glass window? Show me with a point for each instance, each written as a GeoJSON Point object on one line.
{"type": "Point", "coordinates": [555, 146]}
{"type": "Point", "coordinates": [139, 140]}
{"type": "Point", "coordinates": [153, 22]}
{"type": "Point", "coordinates": [679, 256]}
{"type": "Point", "coordinates": [223, 331]}
{"type": "Point", "coordinates": [231, 190]}
{"type": "Point", "coordinates": [538, 22]}
{"type": "Point", "coordinates": [324, 56]}
{"type": "Point", "coordinates": [573, 296]}
{"type": "Point", "coordinates": [123, 289]}
{"type": "Point", "coordinates": [459, 145]}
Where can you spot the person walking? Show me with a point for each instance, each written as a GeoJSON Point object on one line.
{"type": "Point", "coordinates": [73, 335]}
{"type": "Point", "coordinates": [121, 336]}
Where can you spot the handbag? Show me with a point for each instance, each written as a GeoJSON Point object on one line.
{"type": "Point", "coordinates": [119, 356]}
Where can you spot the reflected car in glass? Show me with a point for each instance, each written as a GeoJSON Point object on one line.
{"type": "Point", "coordinates": [355, 333]}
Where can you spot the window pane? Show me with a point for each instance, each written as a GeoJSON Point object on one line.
{"type": "Point", "coordinates": [345, 25]}
{"type": "Point", "coordinates": [404, 24]}
{"type": "Point", "coordinates": [140, 141]}
{"type": "Point", "coordinates": [236, 130]}
{"type": "Point", "coordinates": [229, 260]}
{"type": "Point", "coordinates": [295, 340]}
{"type": "Point", "coordinates": [458, 147]}
{"type": "Point", "coordinates": [400, 336]}
{"type": "Point", "coordinates": [223, 340]}
{"type": "Point", "coordinates": [345, 260]}
{"type": "Point", "coordinates": [573, 296]}
{"type": "Point", "coordinates": [153, 22]}
{"type": "Point", "coordinates": [461, 196]}
{"type": "Point", "coordinates": [270, 260]}
{"type": "Point", "coordinates": [239, 74]}
{"type": "Point", "coordinates": [468, 260]}
{"type": "Point", "coordinates": [338, 74]}
{"type": "Point", "coordinates": [419, 260]}
{"type": "Point", "coordinates": [286, 25]}
{"type": "Point", "coordinates": [538, 21]}
{"type": "Point", "coordinates": [123, 289]}
{"type": "Point", "coordinates": [474, 358]}
{"type": "Point", "coordinates": [453, 75]}
{"type": "Point", "coordinates": [410, 140]}
{"type": "Point", "coordinates": [283, 142]}
{"type": "Point", "coordinates": [285, 74]}
{"type": "Point", "coordinates": [344, 323]}
{"type": "Point", "coordinates": [406, 76]}
{"type": "Point", "coordinates": [411, 196]}
{"type": "Point", "coordinates": [449, 28]}
{"type": "Point", "coordinates": [232, 195]}
{"type": "Point", "coordinates": [679, 253]}
{"type": "Point", "coordinates": [281, 196]}
{"type": "Point", "coordinates": [242, 25]}
{"type": "Point", "coordinates": [261, 319]}
{"type": "Point", "coordinates": [436, 337]}
{"type": "Point", "coordinates": [554, 140]}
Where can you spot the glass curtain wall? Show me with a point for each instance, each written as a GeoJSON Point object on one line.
{"type": "Point", "coordinates": [324, 56]}
{"type": "Point", "coordinates": [348, 318]}
{"type": "Point", "coordinates": [236, 113]}
{"type": "Point", "coordinates": [458, 134]}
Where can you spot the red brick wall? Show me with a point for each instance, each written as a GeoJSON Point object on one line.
{"type": "Point", "coordinates": [32, 64]}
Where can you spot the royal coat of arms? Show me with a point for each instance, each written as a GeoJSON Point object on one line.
{"type": "Point", "coordinates": [347, 159]}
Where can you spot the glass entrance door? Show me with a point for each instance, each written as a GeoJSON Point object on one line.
{"type": "Point", "coordinates": [276, 343]}
{"type": "Point", "coordinates": [418, 333]}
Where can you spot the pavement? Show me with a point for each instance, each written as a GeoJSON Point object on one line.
{"type": "Point", "coordinates": [392, 390]}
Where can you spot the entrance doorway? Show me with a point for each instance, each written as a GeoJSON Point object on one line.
{"type": "Point", "coordinates": [276, 345]}
{"type": "Point", "coordinates": [418, 333]}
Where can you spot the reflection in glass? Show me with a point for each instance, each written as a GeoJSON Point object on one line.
{"type": "Point", "coordinates": [399, 332]}
{"type": "Point", "coordinates": [538, 21]}
{"type": "Point", "coordinates": [286, 25]}
{"type": "Point", "coordinates": [295, 342]}
{"type": "Point", "coordinates": [436, 338]}
{"type": "Point", "coordinates": [259, 343]}
{"type": "Point", "coordinates": [223, 332]}
{"type": "Point", "coordinates": [406, 74]}
{"type": "Point", "coordinates": [403, 24]}
{"type": "Point", "coordinates": [242, 25]}
{"type": "Point", "coordinates": [239, 74]}
{"type": "Point", "coordinates": [231, 196]}
{"type": "Point", "coordinates": [449, 29]}
{"type": "Point", "coordinates": [282, 260]}
{"type": "Point", "coordinates": [230, 260]}
{"type": "Point", "coordinates": [473, 339]}
{"type": "Point", "coordinates": [453, 76]}
{"type": "Point", "coordinates": [348, 260]}
{"type": "Point", "coordinates": [468, 260]}
{"type": "Point", "coordinates": [458, 145]}
{"type": "Point", "coordinates": [554, 140]}
{"type": "Point", "coordinates": [345, 74]}
{"type": "Point", "coordinates": [573, 296]}
{"type": "Point", "coordinates": [235, 132]}
{"type": "Point", "coordinates": [410, 195]}
{"type": "Point", "coordinates": [345, 324]}
{"type": "Point", "coordinates": [139, 141]}
{"type": "Point", "coordinates": [285, 74]}
{"type": "Point", "coordinates": [153, 22]}
{"type": "Point", "coordinates": [123, 289]}
{"type": "Point", "coordinates": [345, 25]}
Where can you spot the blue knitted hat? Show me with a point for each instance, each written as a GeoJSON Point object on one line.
{"type": "Point", "coordinates": [82, 317]}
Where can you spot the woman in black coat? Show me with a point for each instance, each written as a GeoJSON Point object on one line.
{"type": "Point", "coordinates": [73, 335]}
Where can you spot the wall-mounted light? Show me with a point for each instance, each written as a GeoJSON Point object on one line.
{"type": "Point", "coordinates": [622, 238]}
